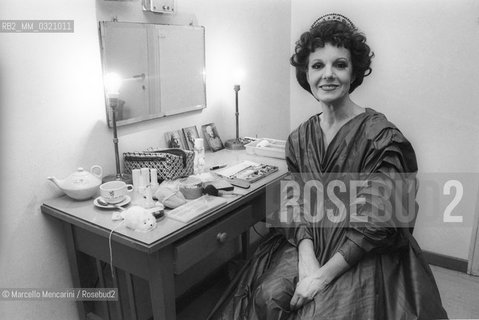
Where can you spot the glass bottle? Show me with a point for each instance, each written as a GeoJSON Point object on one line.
{"type": "Point", "coordinates": [199, 162]}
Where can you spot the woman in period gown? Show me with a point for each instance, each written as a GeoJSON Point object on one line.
{"type": "Point", "coordinates": [325, 260]}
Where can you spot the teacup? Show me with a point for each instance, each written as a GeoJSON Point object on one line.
{"type": "Point", "coordinates": [115, 191]}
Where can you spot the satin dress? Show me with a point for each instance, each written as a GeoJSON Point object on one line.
{"type": "Point", "coordinates": [389, 277]}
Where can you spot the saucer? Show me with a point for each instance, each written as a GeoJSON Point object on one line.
{"type": "Point", "coordinates": [112, 206]}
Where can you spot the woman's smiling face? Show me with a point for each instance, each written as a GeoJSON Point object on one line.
{"type": "Point", "coordinates": [330, 73]}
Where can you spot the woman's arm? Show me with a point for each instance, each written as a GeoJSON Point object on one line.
{"type": "Point", "coordinates": [308, 264]}
{"type": "Point", "coordinates": [310, 285]}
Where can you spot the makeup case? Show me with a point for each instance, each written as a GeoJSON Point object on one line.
{"type": "Point", "coordinates": [170, 163]}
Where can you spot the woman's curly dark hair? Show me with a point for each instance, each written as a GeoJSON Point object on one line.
{"type": "Point", "coordinates": [337, 34]}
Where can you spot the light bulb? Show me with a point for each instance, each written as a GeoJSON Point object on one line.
{"type": "Point", "coordinates": [238, 76]}
{"type": "Point", "coordinates": [112, 82]}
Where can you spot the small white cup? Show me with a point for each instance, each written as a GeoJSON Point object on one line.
{"type": "Point", "coordinates": [115, 191]}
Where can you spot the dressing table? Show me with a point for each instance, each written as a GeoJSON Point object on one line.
{"type": "Point", "coordinates": [173, 248]}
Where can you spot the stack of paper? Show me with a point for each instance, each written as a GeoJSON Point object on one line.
{"type": "Point", "coordinates": [195, 208]}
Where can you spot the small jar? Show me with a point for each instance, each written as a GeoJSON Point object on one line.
{"type": "Point", "coordinates": [154, 180]}
{"type": "Point", "coordinates": [199, 162]}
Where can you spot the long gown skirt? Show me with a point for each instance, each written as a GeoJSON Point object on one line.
{"type": "Point", "coordinates": [385, 286]}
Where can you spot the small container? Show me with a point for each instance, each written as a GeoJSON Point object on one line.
{"type": "Point", "coordinates": [135, 175]}
{"type": "Point", "coordinates": [191, 188]}
{"type": "Point", "coordinates": [154, 180]}
{"type": "Point", "coordinates": [266, 147]}
{"type": "Point", "coordinates": [148, 201]}
{"type": "Point", "coordinates": [145, 173]}
{"type": "Point", "coordinates": [199, 162]}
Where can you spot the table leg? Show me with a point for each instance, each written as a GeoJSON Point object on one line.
{"type": "Point", "coordinates": [131, 296]}
{"type": "Point", "coordinates": [162, 285]}
{"type": "Point", "coordinates": [116, 284]}
{"type": "Point", "coordinates": [101, 280]}
{"type": "Point", "coordinates": [73, 259]}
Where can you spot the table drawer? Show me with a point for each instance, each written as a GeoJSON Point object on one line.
{"type": "Point", "coordinates": [206, 241]}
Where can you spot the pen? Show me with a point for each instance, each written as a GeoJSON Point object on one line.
{"type": "Point", "coordinates": [218, 167]}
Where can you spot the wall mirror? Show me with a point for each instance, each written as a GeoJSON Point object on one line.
{"type": "Point", "coordinates": [162, 68]}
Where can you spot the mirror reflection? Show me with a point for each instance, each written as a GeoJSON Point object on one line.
{"type": "Point", "coordinates": [162, 68]}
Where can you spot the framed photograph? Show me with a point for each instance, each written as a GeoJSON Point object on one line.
{"type": "Point", "coordinates": [191, 133]}
{"type": "Point", "coordinates": [174, 139]}
{"type": "Point", "coordinates": [212, 137]}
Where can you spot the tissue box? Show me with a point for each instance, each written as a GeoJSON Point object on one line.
{"type": "Point", "coordinates": [267, 148]}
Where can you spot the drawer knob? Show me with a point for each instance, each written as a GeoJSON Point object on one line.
{"type": "Point", "coordinates": [221, 237]}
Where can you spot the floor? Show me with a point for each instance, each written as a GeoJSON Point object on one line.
{"type": "Point", "coordinates": [459, 293]}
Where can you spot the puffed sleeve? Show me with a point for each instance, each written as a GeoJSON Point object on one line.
{"type": "Point", "coordinates": [385, 203]}
{"type": "Point", "coordinates": [292, 223]}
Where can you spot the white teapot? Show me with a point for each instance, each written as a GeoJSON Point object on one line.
{"type": "Point", "coordinates": [81, 184]}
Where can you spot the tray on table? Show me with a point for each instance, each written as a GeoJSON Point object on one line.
{"type": "Point", "coordinates": [273, 149]}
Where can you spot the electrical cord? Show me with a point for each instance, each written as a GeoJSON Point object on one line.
{"type": "Point", "coordinates": [111, 251]}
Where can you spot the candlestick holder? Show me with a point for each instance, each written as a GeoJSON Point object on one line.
{"type": "Point", "coordinates": [235, 144]}
{"type": "Point", "coordinates": [112, 86]}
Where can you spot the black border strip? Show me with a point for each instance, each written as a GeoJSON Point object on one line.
{"type": "Point", "coordinates": [447, 262]}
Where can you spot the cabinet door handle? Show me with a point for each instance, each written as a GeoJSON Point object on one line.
{"type": "Point", "coordinates": [221, 237]}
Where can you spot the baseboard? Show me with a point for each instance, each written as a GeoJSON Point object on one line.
{"type": "Point", "coordinates": [447, 262]}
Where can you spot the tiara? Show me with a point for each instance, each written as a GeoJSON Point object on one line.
{"type": "Point", "coordinates": [334, 17]}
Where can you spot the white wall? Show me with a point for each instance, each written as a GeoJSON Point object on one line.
{"type": "Point", "coordinates": [53, 118]}
{"type": "Point", "coordinates": [425, 79]}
